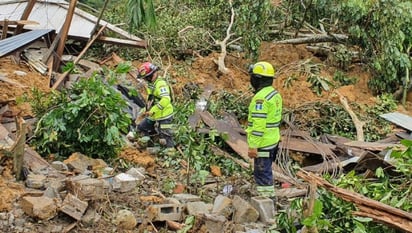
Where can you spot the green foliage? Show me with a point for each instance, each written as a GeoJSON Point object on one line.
{"type": "Point", "coordinates": [404, 159]}
{"type": "Point", "coordinates": [89, 118]}
{"type": "Point", "coordinates": [385, 103]}
{"type": "Point", "coordinates": [322, 118]}
{"type": "Point", "coordinates": [141, 12]}
{"type": "Point", "coordinates": [315, 219]}
{"type": "Point", "coordinates": [186, 26]}
{"type": "Point", "coordinates": [342, 57]}
{"type": "Point", "coordinates": [71, 68]}
{"type": "Point", "coordinates": [343, 79]}
{"type": "Point", "coordinates": [42, 102]}
{"type": "Point", "coordinates": [233, 103]}
{"type": "Point", "coordinates": [376, 127]}
{"type": "Point", "coordinates": [288, 83]}
{"type": "Point", "coordinates": [289, 217]}
{"type": "Point", "coordinates": [251, 23]}
{"type": "Point", "coordinates": [319, 83]}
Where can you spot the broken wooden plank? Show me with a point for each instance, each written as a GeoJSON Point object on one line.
{"type": "Point", "coordinates": [301, 145]}
{"type": "Point", "coordinates": [230, 119]}
{"type": "Point", "coordinates": [321, 168]}
{"type": "Point", "coordinates": [381, 217]}
{"type": "Point", "coordinates": [19, 22]}
{"type": "Point", "coordinates": [235, 140]}
{"type": "Point", "coordinates": [387, 214]}
{"type": "Point", "coordinates": [116, 41]}
{"type": "Point", "coordinates": [291, 192]}
{"type": "Point", "coordinates": [373, 146]}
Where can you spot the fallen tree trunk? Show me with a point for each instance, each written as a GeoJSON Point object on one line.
{"type": "Point", "coordinates": [358, 124]}
{"type": "Point", "coordinates": [336, 38]}
{"type": "Point", "coordinates": [376, 210]}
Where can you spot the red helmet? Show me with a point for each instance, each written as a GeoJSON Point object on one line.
{"type": "Point", "coordinates": [146, 70]}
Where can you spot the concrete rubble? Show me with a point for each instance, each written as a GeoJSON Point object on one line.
{"type": "Point", "coordinates": [74, 195]}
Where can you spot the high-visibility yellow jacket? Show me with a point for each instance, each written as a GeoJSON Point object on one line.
{"type": "Point", "coordinates": [161, 107]}
{"type": "Point", "coordinates": [265, 115]}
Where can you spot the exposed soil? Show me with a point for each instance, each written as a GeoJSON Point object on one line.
{"type": "Point", "coordinates": [203, 71]}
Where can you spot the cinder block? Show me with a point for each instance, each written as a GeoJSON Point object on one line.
{"type": "Point", "coordinates": [265, 207]}
{"type": "Point", "coordinates": [165, 212]}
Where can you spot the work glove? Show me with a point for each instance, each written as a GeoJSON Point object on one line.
{"type": "Point", "coordinates": [252, 153]}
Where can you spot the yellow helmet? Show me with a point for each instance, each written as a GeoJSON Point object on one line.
{"type": "Point", "coordinates": [262, 68]}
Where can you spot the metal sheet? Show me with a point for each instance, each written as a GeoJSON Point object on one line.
{"type": "Point", "coordinates": [399, 119]}
{"type": "Point", "coordinates": [10, 44]}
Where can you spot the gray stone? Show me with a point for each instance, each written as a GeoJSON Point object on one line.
{"type": "Point", "coordinates": [137, 173]}
{"type": "Point", "coordinates": [59, 166]}
{"type": "Point", "coordinates": [124, 182]}
{"type": "Point", "coordinates": [35, 181]}
{"type": "Point", "coordinates": [265, 207]}
{"type": "Point", "coordinates": [244, 212]}
{"type": "Point", "coordinates": [197, 208]}
{"type": "Point", "coordinates": [125, 220]}
{"type": "Point", "coordinates": [39, 207]}
{"type": "Point", "coordinates": [215, 223]}
{"type": "Point", "coordinates": [90, 218]}
{"type": "Point", "coordinates": [222, 206]}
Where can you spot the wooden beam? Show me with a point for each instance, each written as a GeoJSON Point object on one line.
{"type": "Point", "coordinates": [19, 22]}
{"type": "Point", "coordinates": [5, 29]}
{"type": "Point", "coordinates": [117, 41]}
{"type": "Point", "coordinates": [25, 16]}
{"type": "Point", "coordinates": [91, 41]}
{"type": "Point", "coordinates": [234, 139]}
{"type": "Point", "coordinates": [52, 47]}
{"type": "Point", "coordinates": [65, 31]}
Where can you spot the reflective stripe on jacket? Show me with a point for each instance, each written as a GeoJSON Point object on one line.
{"type": "Point", "coordinates": [265, 115]}
{"type": "Point", "coordinates": [161, 107]}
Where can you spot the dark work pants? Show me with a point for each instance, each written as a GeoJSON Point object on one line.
{"type": "Point", "coordinates": [263, 168]}
{"type": "Point", "coordinates": [149, 128]}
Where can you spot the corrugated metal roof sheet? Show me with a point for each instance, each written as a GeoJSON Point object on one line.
{"type": "Point", "coordinates": [51, 14]}
{"type": "Point", "coordinates": [399, 119]}
{"type": "Point", "coordinates": [10, 44]}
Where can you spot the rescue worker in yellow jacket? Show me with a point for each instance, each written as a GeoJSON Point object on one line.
{"type": "Point", "coordinates": [264, 118]}
{"type": "Point", "coordinates": [159, 109]}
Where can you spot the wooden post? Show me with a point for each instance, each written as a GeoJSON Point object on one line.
{"type": "Point", "coordinates": [65, 31]}
{"type": "Point", "coordinates": [18, 150]}
{"type": "Point", "coordinates": [25, 16]}
{"type": "Point", "coordinates": [5, 29]}
{"type": "Point", "coordinates": [310, 204]}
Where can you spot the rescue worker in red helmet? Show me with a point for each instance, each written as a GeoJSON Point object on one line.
{"type": "Point", "coordinates": [159, 110]}
{"type": "Point", "coordinates": [264, 118]}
